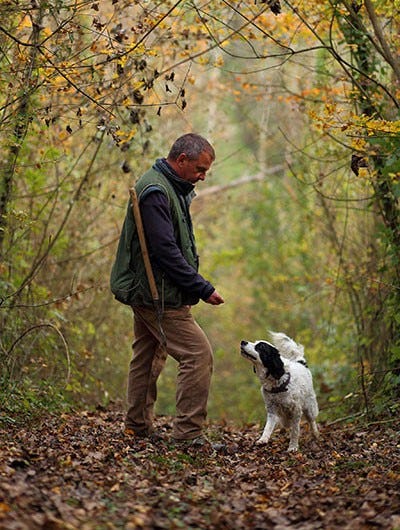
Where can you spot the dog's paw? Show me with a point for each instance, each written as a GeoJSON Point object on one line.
{"type": "Point", "coordinates": [262, 441]}
{"type": "Point", "coordinates": [293, 448]}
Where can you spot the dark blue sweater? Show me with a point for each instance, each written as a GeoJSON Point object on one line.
{"type": "Point", "coordinates": [163, 248]}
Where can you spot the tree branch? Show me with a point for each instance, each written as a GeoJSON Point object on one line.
{"type": "Point", "coordinates": [212, 190]}
{"type": "Point", "coordinates": [386, 52]}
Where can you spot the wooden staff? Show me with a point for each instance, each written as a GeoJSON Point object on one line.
{"type": "Point", "coordinates": [146, 260]}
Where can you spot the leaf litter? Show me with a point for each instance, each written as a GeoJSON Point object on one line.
{"type": "Point", "coordinates": [78, 471]}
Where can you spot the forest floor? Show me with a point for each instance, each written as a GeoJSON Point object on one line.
{"type": "Point", "coordinates": [78, 471]}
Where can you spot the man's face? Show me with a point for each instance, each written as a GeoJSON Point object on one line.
{"type": "Point", "coordinates": [194, 170]}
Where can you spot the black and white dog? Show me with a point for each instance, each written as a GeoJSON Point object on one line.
{"type": "Point", "coordinates": [287, 385]}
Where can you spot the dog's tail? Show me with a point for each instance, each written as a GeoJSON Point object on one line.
{"type": "Point", "coordinates": [287, 347]}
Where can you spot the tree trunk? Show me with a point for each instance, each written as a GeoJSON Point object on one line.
{"type": "Point", "coordinates": [22, 119]}
{"type": "Point", "coordinates": [381, 336]}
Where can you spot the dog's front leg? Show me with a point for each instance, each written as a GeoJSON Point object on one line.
{"type": "Point", "coordinates": [294, 434]}
{"type": "Point", "coordinates": [268, 429]}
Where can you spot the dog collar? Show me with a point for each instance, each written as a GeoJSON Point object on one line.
{"type": "Point", "coordinates": [282, 387]}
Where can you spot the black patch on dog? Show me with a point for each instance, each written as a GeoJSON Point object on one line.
{"type": "Point", "coordinates": [271, 359]}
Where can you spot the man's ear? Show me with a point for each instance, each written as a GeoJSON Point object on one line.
{"type": "Point", "coordinates": [181, 158]}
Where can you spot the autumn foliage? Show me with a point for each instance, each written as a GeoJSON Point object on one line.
{"type": "Point", "coordinates": [298, 225]}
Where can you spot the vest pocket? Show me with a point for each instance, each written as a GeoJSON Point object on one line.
{"type": "Point", "coordinates": [125, 287]}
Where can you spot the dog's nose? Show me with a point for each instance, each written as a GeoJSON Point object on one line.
{"type": "Point", "coordinates": [243, 343]}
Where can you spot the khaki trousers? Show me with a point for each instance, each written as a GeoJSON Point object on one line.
{"type": "Point", "coordinates": [189, 346]}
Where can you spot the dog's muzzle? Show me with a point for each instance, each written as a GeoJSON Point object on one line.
{"type": "Point", "coordinates": [244, 352]}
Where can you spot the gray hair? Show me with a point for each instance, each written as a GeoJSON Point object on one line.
{"type": "Point", "coordinates": [192, 145]}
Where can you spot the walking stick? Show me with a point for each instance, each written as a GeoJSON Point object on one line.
{"type": "Point", "coordinates": [147, 263]}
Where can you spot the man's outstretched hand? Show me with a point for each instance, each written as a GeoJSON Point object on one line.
{"type": "Point", "coordinates": [215, 299]}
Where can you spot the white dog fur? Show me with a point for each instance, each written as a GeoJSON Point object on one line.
{"type": "Point", "coordinates": [287, 386]}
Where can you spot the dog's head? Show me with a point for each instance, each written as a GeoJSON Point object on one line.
{"type": "Point", "coordinates": [265, 358]}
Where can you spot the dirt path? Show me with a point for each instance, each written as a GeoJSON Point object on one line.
{"type": "Point", "coordinates": [78, 472]}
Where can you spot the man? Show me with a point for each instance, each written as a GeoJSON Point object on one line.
{"type": "Point", "coordinates": [164, 194]}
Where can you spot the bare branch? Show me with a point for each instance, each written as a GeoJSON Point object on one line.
{"type": "Point", "coordinates": [54, 328]}
{"type": "Point", "coordinates": [212, 190]}
{"type": "Point", "coordinates": [387, 54]}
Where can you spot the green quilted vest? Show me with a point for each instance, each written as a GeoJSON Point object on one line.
{"type": "Point", "coordinates": [128, 281]}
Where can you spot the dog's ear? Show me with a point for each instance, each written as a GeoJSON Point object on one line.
{"type": "Point", "coordinates": [271, 359]}
{"type": "Point", "coordinates": [276, 367]}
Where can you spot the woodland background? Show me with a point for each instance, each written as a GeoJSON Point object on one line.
{"type": "Point", "coordinates": [297, 224]}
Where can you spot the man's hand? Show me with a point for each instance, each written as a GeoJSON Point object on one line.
{"type": "Point", "coordinates": [215, 299]}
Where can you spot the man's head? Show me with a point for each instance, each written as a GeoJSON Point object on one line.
{"type": "Point", "coordinates": [191, 157]}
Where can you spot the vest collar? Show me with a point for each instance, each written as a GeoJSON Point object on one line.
{"type": "Point", "coordinates": [182, 186]}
